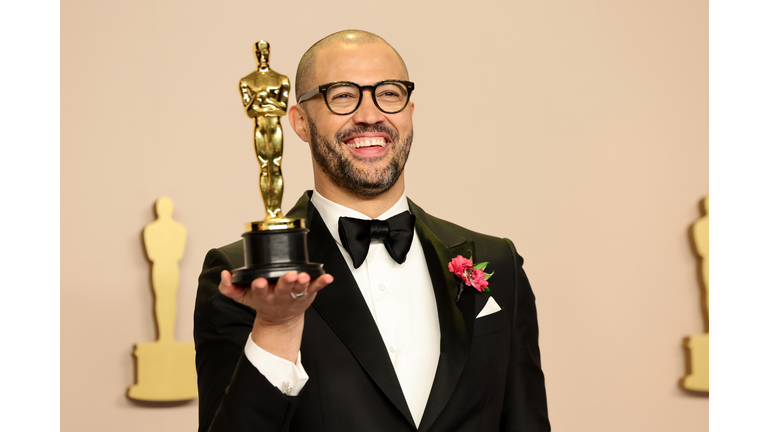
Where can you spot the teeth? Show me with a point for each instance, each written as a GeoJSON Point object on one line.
{"type": "Point", "coordinates": [367, 142]}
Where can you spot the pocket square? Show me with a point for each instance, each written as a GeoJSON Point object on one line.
{"type": "Point", "coordinates": [490, 307]}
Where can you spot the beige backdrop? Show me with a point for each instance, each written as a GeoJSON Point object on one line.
{"type": "Point", "coordinates": [579, 129]}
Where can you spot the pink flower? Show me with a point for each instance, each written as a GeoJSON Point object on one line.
{"type": "Point", "coordinates": [459, 265]}
{"type": "Point", "coordinates": [478, 280]}
{"type": "Point", "coordinates": [467, 277]}
{"type": "Point", "coordinates": [471, 275]}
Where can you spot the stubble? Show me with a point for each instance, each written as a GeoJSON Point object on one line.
{"type": "Point", "coordinates": [360, 176]}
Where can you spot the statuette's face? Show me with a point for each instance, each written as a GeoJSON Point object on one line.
{"type": "Point", "coordinates": [262, 52]}
{"type": "Point", "coordinates": [364, 152]}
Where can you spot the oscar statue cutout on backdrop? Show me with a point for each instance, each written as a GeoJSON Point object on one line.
{"type": "Point", "coordinates": [697, 378]}
{"type": "Point", "coordinates": [165, 369]}
{"type": "Point", "coordinates": [275, 245]}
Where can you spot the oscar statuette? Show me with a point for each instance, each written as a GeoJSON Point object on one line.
{"type": "Point", "coordinates": [275, 245]}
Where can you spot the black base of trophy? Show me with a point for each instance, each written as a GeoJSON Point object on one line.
{"type": "Point", "coordinates": [271, 254]}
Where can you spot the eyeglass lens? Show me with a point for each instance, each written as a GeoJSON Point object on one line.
{"type": "Point", "coordinates": [343, 98]}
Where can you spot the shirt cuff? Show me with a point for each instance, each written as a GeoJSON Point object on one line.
{"type": "Point", "coordinates": [288, 377]}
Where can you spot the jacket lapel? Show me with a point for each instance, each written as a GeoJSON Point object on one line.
{"type": "Point", "coordinates": [456, 318]}
{"type": "Point", "coordinates": [342, 306]}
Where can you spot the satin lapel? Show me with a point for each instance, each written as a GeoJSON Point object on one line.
{"type": "Point", "coordinates": [456, 319]}
{"type": "Point", "coordinates": [342, 306]}
{"type": "Point", "coordinates": [299, 211]}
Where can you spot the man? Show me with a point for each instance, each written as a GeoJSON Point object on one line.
{"type": "Point", "coordinates": [385, 341]}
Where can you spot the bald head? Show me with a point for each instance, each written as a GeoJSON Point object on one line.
{"type": "Point", "coordinates": [305, 72]}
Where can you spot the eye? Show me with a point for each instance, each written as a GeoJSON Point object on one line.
{"type": "Point", "coordinates": [342, 96]}
{"type": "Point", "coordinates": [391, 91]}
{"type": "Point", "coordinates": [342, 93]}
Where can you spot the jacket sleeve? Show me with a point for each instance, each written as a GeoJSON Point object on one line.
{"type": "Point", "coordinates": [234, 395]}
{"type": "Point", "coordinates": [525, 398]}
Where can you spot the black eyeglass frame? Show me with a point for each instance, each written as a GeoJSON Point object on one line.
{"type": "Point", "coordinates": [323, 89]}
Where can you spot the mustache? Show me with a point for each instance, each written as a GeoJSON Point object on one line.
{"type": "Point", "coordinates": [343, 135]}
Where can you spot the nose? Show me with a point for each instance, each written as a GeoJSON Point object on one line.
{"type": "Point", "coordinates": [367, 112]}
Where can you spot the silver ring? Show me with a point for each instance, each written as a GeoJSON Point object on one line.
{"type": "Point", "coordinates": [298, 295]}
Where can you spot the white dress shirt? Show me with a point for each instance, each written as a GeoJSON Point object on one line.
{"type": "Point", "coordinates": [401, 301]}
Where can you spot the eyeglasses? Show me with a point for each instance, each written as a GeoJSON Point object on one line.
{"type": "Point", "coordinates": [343, 97]}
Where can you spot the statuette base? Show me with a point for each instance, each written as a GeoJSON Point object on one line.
{"type": "Point", "coordinates": [273, 252]}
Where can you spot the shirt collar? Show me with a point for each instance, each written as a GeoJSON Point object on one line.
{"type": "Point", "coordinates": [330, 212]}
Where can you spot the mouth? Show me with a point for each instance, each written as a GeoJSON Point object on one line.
{"type": "Point", "coordinates": [366, 142]}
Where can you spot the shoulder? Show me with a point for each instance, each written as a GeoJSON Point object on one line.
{"type": "Point", "coordinates": [233, 251]}
{"type": "Point", "coordinates": [225, 257]}
{"type": "Point", "coordinates": [452, 234]}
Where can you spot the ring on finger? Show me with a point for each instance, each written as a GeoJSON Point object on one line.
{"type": "Point", "coordinates": [294, 295]}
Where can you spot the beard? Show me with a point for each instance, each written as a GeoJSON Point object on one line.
{"type": "Point", "coordinates": [360, 176]}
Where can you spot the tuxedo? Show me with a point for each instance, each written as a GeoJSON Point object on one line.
{"type": "Point", "coordinates": [488, 376]}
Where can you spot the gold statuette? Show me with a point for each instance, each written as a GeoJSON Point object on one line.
{"type": "Point", "coordinates": [165, 368]}
{"type": "Point", "coordinates": [265, 99]}
{"type": "Point", "coordinates": [697, 346]}
{"type": "Point", "coordinates": [275, 245]}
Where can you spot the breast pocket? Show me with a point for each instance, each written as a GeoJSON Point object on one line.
{"type": "Point", "coordinates": [492, 323]}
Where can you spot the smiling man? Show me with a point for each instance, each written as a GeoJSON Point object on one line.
{"type": "Point", "coordinates": [393, 338]}
{"type": "Point", "coordinates": [359, 145]}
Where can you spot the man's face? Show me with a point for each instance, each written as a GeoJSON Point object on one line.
{"type": "Point", "coordinates": [364, 152]}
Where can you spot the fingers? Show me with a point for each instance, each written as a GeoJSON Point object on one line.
{"type": "Point", "coordinates": [292, 284]}
{"type": "Point", "coordinates": [301, 284]}
{"type": "Point", "coordinates": [260, 284]}
{"type": "Point", "coordinates": [320, 283]}
{"type": "Point", "coordinates": [225, 286]}
{"type": "Point", "coordinates": [289, 287]}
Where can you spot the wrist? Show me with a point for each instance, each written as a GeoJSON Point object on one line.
{"type": "Point", "coordinates": [282, 339]}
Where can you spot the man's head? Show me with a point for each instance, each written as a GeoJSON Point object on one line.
{"type": "Point", "coordinates": [306, 69]}
{"type": "Point", "coordinates": [362, 153]}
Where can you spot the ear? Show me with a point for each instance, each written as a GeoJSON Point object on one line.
{"type": "Point", "coordinates": [413, 107]}
{"type": "Point", "coordinates": [298, 119]}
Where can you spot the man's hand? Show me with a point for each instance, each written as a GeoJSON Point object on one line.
{"type": "Point", "coordinates": [279, 319]}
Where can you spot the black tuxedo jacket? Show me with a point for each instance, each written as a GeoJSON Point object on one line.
{"type": "Point", "coordinates": [488, 377]}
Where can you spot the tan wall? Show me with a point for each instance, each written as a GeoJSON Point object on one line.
{"type": "Point", "coordinates": [576, 128]}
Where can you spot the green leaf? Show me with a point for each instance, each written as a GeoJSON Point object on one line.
{"type": "Point", "coordinates": [488, 275]}
{"type": "Point", "coordinates": [481, 266]}
{"type": "Point", "coordinates": [470, 253]}
{"type": "Point", "coordinates": [487, 290]}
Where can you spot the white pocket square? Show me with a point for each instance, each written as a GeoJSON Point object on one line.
{"type": "Point", "coordinates": [490, 307]}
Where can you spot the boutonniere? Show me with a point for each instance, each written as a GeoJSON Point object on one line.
{"type": "Point", "coordinates": [472, 275]}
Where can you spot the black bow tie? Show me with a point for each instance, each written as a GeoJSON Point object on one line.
{"type": "Point", "coordinates": [396, 233]}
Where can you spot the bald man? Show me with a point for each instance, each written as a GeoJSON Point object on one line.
{"type": "Point", "coordinates": [389, 339]}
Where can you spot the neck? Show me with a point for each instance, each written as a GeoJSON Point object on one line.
{"type": "Point", "coordinates": [372, 207]}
